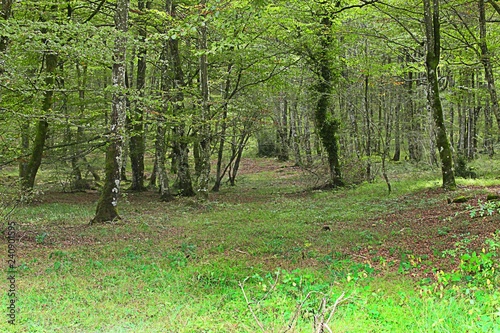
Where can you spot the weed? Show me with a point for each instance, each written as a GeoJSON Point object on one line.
{"type": "Point", "coordinates": [487, 208]}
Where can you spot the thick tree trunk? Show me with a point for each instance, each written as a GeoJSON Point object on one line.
{"type": "Point", "coordinates": [180, 140]}
{"type": "Point", "coordinates": [107, 205]}
{"type": "Point", "coordinates": [328, 127]}
{"type": "Point", "coordinates": [431, 17]}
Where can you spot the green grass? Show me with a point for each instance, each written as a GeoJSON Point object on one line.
{"type": "Point", "coordinates": [179, 267]}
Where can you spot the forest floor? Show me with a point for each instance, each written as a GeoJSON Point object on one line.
{"type": "Point", "coordinates": [416, 226]}
{"type": "Point", "coordinates": [245, 258]}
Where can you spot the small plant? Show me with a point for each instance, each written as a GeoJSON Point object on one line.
{"type": "Point", "coordinates": [40, 238]}
{"type": "Point", "coordinates": [475, 268]}
{"type": "Point", "coordinates": [487, 208]}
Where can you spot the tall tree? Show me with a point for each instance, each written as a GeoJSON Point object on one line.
{"type": "Point", "coordinates": [137, 144]}
{"type": "Point", "coordinates": [327, 125]}
{"type": "Point", "coordinates": [107, 205]}
{"type": "Point", "coordinates": [205, 106]}
{"type": "Point", "coordinates": [486, 61]}
{"type": "Point", "coordinates": [35, 160]}
{"type": "Point", "coordinates": [433, 43]}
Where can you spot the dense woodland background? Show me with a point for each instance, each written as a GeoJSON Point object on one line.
{"type": "Point", "coordinates": [173, 92]}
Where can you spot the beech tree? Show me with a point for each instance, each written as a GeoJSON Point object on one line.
{"type": "Point", "coordinates": [107, 206]}
{"type": "Point", "coordinates": [433, 43]}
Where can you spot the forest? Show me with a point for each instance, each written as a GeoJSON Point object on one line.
{"type": "Point", "coordinates": [250, 165]}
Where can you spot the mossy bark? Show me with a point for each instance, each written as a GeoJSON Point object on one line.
{"type": "Point", "coordinates": [432, 25]}
{"type": "Point", "coordinates": [28, 181]}
{"type": "Point", "coordinates": [106, 210]}
{"type": "Point", "coordinates": [328, 126]}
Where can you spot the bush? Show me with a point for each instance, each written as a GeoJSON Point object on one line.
{"type": "Point", "coordinates": [462, 169]}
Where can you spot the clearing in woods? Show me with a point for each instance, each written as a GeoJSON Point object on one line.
{"type": "Point", "coordinates": [183, 266]}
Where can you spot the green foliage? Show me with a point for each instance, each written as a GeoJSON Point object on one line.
{"type": "Point", "coordinates": [462, 169]}
{"type": "Point", "coordinates": [476, 269]}
{"type": "Point", "coordinates": [266, 143]}
{"type": "Point", "coordinates": [487, 208]}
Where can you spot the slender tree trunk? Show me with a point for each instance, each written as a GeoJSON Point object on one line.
{"type": "Point", "coordinates": [107, 205]}
{"type": "Point", "coordinates": [307, 140]}
{"type": "Point", "coordinates": [42, 127]}
{"type": "Point", "coordinates": [433, 36]}
{"type": "Point", "coordinates": [160, 145]}
{"type": "Point", "coordinates": [397, 134]}
{"type": "Point", "coordinates": [294, 133]}
{"type": "Point", "coordinates": [78, 183]}
{"type": "Point", "coordinates": [368, 127]}
{"type": "Point", "coordinates": [486, 60]}
{"type": "Point", "coordinates": [281, 121]}
{"type": "Point", "coordinates": [137, 143]}
{"type": "Point", "coordinates": [205, 140]}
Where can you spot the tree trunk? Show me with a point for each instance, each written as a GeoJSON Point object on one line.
{"type": "Point", "coordinates": [307, 139]}
{"type": "Point", "coordinates": [28, 182]}
{"type": "Point", "coordinates": [205, 141]}
{"type": "Point", "coordinates": [137, 144]}
{"type": "Point", "coordinates": [107, 205]}
{"type": "Point", "coordinates": [486, 60]}
{"type": "Point", "coordinates": [432, 28]}
{"type": "Point", "coordinates": [180, 140]}
{"type": "Point", "coordinates": [294, 133]}
{"type": "Point", "coordinates": [282, 127]}
{"type": "Point", "coordinates": [397, 134]}
{"type": "Point", "coordinates": [328, 127]}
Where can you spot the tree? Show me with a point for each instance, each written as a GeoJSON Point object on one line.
{"type": "Point", "coordinates": [107, 205]}
{"type": "Point", "coordinates": [137, 145]}
{"type": "Point", "coordinates": [433, 43]}
{"type": "Point", "coordinates": [51, 59]}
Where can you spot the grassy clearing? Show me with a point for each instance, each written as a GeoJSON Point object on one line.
{"type": "Point", "coordinates": [180, 267]}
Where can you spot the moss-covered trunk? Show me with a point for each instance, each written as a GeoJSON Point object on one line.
{"type": "Point", "coordinates": [328, 127]}
{"type": "Point", "coordinates": [107, 205]}
{"type": "Point", "coordinates": [431, 16]}
{"type": "Point", "coordinates": [28, 181]}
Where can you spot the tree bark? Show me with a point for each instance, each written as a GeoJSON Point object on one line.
{"type": "Point", "coordinates": [107, 205]}
{"type": "Point", "coordinates": [180, 141]}
{"type": "Point", "coordinates": [433, 42]}
{"type": "Point", "coordinates": [137, 143]}
{"type": "Point", "coordinates": [486, 61]}
{"type": "Point", "coordinates": [328, 126]}
{"type": "Point", "coordinates": [28, 182]}
{"type": "Point", "coordinates": [205, 133]}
